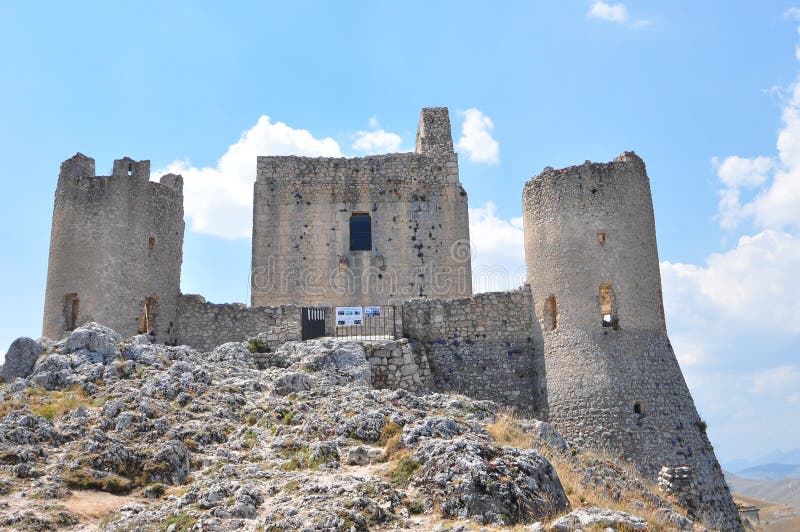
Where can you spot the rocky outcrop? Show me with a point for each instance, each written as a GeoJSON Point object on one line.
{"type": "Point", "coordinates": [20, 358]}
{"type": "Point", "coordinates": [297, 440]}
{"type": "Point", "coordinates": [598, 518]}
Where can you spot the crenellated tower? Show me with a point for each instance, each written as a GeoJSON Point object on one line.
{"type": "Point", "coordinates": [613, 382]}
{"type": "Point", "coordinates": [115, 250]}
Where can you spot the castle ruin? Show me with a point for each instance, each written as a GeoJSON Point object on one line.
{"type": "Point", "coordinates": [583, 344]}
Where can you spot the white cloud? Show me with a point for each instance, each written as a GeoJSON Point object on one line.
{"type": "Point", "coordinates": [476, 138]}
{"type": "Point", "coordinates": [611, 12]}
{"type": "Point", "coordinates": [782, 382]}
{"type": "Point", "coordinates": [219, 201]}
{"type": "Point", "coordinates": [775, 203]}
{"type": "Point", "coordinates": [739, 312]}
{"type": "Point", "coordinates": [498, 251]}
{"type": "Point", "coordinates": [378, 141]}
{"type": "Point", "coordinates": [750, 285]}
{"type": "Point", "coordinates": [737, 171]}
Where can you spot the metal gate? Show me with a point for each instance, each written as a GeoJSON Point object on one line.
{"type": "Point", "coordinates": [313, 322]}
{"type": "Point", "coordinates": [382, 323]}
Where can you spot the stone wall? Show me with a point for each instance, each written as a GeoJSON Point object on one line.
{"type": "Point", "coordinates": [418, 217]}
{"type": "Point", "coordinates": [399, 365]}
{"type": "Point", "coordinates": [483, 346]}
{"type": "Point", "coordinates": [116, 244]}
{"type": "Point", "coordinates": [205, 325]}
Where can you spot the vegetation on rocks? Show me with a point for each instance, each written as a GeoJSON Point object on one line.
{"type": "Point", "coordinates": [176, 439]}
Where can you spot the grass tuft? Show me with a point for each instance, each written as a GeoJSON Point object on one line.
{"type": "Point", "coordinates": [402, 470]}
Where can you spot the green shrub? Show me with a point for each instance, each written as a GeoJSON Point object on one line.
{"type": "Point", "coordinates": [257, 345]}
{"type": "Point", "coordinates": [85, 480]}
{"type": "Point", "coordinates": [403, 470]}
{"type": "Point", "coordinates": [182, 521]}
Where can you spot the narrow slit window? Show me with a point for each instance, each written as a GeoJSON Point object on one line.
{"type": "Point", "coordinates": [147, 319]}
{"type": "Point", "coordinates": [360, 232]}
{"type": "Point", "coordinates": [130, 169]}
{"type": "Point", "coordinates": [71, 309]}
{"type": "Point", "coordinates": [551, 312]}
{"type": "Point", "coordinates": [151, 245]}
{"type": "Point", "coordinates": [601, 237]}
{"type": "Point", "coordinates": [606, 310]}
{"type": "Point", "coordinates": [638, 408]}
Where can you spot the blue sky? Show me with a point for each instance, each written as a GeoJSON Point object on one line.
{"type": "Point", "coordinates": [705, 92]}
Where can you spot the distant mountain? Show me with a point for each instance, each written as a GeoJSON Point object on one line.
{"type": "Point", "coordinates": [784, 490]}
{"type": "Point", "coordinates": [791, 456]}
{"type": "Point", "coordinates": [770, 472]}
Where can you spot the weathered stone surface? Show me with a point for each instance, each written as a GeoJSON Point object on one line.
{"type": "Point", "coordinates": [613, 382]}
{"type": "Point", "coordinates": [20, 358]}
{"type": "Point", "coordinates": [597, 517]}
{"type": "Point", "coordinates": [257, 448]}
{"type": "Point", "coordinates": [419, 225]}
{"type": "Point", "coordinates": [472, 478]}
{"type": "Point", "coordinates": [116, 247]}
{"type": "Point", "coordinates": [481, 346]}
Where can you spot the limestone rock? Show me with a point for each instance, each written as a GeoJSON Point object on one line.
{"type": "Point", "coordinates": [598, 518]}
{"type": "Point", "coordinates": [473, 478]}
{"type": "Point", "coordinates": [20, 358]}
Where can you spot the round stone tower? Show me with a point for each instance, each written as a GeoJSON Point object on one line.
{"type": "Point", "coordinates": [613, 382]}
{"type": "Point", "coordinates": [115, 250]}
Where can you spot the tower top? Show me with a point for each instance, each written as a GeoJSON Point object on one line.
{"type": "Point", "coordinates": [433, 132]}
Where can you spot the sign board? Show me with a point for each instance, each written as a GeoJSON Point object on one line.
{"type": "Point", "coordinates": [349, 316]}
{"type": "Point", "coordinates": [372, 312]}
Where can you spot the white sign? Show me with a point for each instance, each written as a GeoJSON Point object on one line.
{"type": "Point", "coordinates": [372, 312]}
{"type": "Point", "coordinates": [349, 316]}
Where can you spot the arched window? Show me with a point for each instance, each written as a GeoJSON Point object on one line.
{"type": "Point", "coordinates": [360, 232]}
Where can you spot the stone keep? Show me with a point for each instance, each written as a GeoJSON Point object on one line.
{"type": "Point", "coordinates": [412, 203]}
{"type": "Point", "coordinates": [613, 383]}
{"type": "Point", "coordinates": [115, 250]}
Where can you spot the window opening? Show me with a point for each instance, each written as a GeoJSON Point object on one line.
{"type": "Point", "coordinates": [638, 408]}
{"type": "Point", "coordinates": [601, 237]}
{"type": "Point", "coordinates": [130, 169]}
{"type": "Point", "coordinates": [71, 309]}
{"type": "Point", "coordinates": [551, 312]}
{"type": "Point", "coordinates": [360, 232]}
{"type": "Point", "coordinates": [149, 315]}
{"type": "Point", "coordinates": [151, 244]}
{"type": "Point", "coordinates": [606, 310]}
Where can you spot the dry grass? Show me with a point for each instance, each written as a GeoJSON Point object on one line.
{"type": "Point", "coordinates": [93, 505]}
{"type": "Point", "coordinates": [85, 480]}
{"type": "Point", "coordinates": [506, 431]}
{"type": "Point", "coordinates": [49, 404]}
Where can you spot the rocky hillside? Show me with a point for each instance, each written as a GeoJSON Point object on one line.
{"type": "Point", "coordinates": [113, 434]}
{"type": "Point", "coordinates": [781, 490]}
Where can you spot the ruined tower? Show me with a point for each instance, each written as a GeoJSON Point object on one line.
{"type": "Point", "coordinates": [115, 250]}
{"type": "Point", "coordinates": [613, 382]}
{"type": "Point", "coordinates": [370, 230]}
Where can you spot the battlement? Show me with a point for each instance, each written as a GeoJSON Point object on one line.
{"type": "Point", "coordinates": [574, 173]}
{"type": "Point", "coordinates": [433, 161]}
{"type": "Point", "coordinates": [433, 132]}
{"type": "Point", "coordinates": [408, 168]}
{"type": "Point", "coordinates": [77, 166]}
{"type": "Point", "coordinates": [80, 167]}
